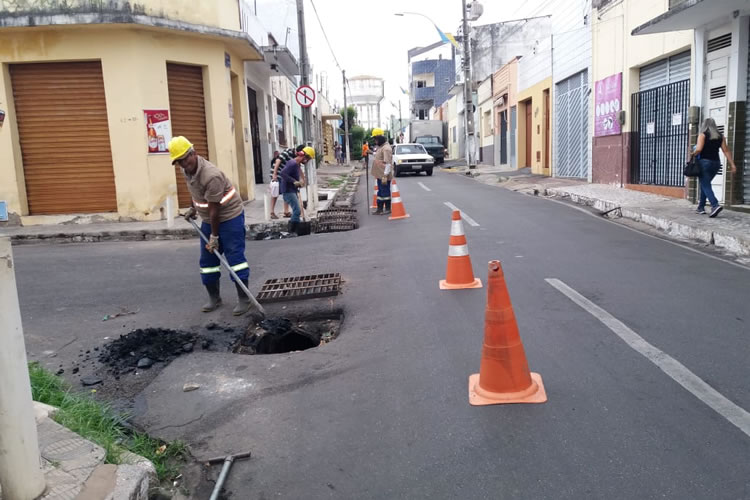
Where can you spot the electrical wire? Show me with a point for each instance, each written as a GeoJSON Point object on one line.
{"type": "Point", "coordinates": [315, 9]}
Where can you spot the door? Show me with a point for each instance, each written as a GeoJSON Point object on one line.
{"type": "Point", "coordinates": [571, 127]}
{"type": "Point", "coordinates": [188, 110]}
{"type": "Point", "coordinates": [528, 133]}
{"type": "Point", "coordinates": [546, 138]}
{"type": "Point", "coordinates": [61, 112]}
{"type": "Point", "coordinates": [513, 122]}
{"type": "Point", "coordinates": [715, 97]}
{"type": "Point", "coordinates": [252, 100]}
{"type": "Point", "coordinates": [504, 137]}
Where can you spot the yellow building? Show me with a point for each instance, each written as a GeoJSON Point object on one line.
{"type": "Point", "coordinates": [534, 127]}
{"type": "Point", "coordinates": [76, 83]}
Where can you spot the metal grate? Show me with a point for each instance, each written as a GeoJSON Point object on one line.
{"type": "Point", "coordinates": [720, 42]}
{"type": "Point", "coordinates": [336, 219]}
{"type": "Point", "coordinates": [300, 287]}
{"type": "Point", "coordinates": [718, 92]}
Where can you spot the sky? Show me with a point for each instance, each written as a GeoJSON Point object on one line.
{"type": "Point", "coordinates": [368, 39]}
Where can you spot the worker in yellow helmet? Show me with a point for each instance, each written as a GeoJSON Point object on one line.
{"type": "Point", "coordinates": [291, 181]}
{"type": "Point", "coordinates": [219, 204]}
{"type": "Point", "coordinates": [382, 168]}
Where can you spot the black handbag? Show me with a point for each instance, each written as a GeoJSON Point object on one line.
{"type": "Point", "coordinates": [691, 169]}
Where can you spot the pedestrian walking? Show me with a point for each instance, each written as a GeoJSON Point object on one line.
{"type": "Point", "coordinates": [710, 141]}
{"type": "Point", "coordinates": [337, 148]}
{"type": "Point", "coordinates": [365, 152]}
{"type": "Point", "coordinates": [277, 163]}
{"type": "Point", "coordinates": [218, 203]}
{"type": "Point", "coordinates": [292, 178]}
{"type": "Point", "coordinates": [382, 171]}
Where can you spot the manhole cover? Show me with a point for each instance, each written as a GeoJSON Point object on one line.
{"type": "Point", "coordinates": [337, 219]}
{"type": "Point", "coordinates": [300, 287]}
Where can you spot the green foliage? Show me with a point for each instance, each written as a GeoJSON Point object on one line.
{"type": "Point", "coordinates": [351, 113]}
{"type": "Point", "coordinates": [99, 423]}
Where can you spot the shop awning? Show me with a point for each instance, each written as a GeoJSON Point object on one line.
{"type": "Point", "coordinates": [334, 116]}
{"type": "Point", "coordinates": [692, 14]}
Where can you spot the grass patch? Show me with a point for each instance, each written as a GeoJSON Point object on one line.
{"type": "Point", "coordinates": [99, 423]}
{"type": "Point", "coordinates": [335, 182]}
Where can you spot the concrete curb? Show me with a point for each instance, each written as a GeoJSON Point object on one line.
{"type": "Point", "coordinates": [728, 242]}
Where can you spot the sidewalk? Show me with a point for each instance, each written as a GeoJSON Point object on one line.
{"type": "Point", "coordinates": [730, 231]}
{"type": "Point", "coordinates": [74, 467]}
{"type": "Point", "coordinates": [138, 231]}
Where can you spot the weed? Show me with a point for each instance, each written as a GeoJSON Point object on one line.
{"type": "Point", "coordinates": [99, 423]}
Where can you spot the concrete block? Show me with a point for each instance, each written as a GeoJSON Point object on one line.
{"type": "Point", "coordinates": [132, 483]}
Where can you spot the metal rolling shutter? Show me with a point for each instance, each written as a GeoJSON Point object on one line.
{"type": "Point", "coordinates": [188, 115]}
{"type": "Point", "coordinates": [746, 166]}
{"type": "Point", "coordinates": [61, 112]}
{"type": "Point", "coordinates": [669, 70]}
{"type": "Point", "coordinates": [571, 126]}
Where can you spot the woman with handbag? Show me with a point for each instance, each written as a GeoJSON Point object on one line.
{"type": "Point", "coordinates": [710, 141]}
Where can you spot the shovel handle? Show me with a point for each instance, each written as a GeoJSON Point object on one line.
{"type": "Point", "coordinates": [226, 265]}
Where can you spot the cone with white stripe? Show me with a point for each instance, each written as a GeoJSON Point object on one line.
{"type": "Point", "coordinates": [374, 196]}
{"type": "Point", "coordinates": [458, 273]}
{"type": "Point", "coordinates": [397, 206]}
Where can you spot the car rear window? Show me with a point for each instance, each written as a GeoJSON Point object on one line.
{"type": "Point", "coordinates": [412, 149]}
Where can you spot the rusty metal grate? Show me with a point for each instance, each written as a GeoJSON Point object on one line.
{"type": "Point", "coordinates": [337, 219]}
{"type": "Point", "coordinates": [300, 287]}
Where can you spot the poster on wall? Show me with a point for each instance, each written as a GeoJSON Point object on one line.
{"type": "Point", "coordinates": [159, 130]}
{"type": "Point", "coordinates": [608, 99]}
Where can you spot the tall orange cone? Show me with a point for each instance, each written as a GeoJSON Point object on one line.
{"type": "Point", "coordinates": [397, 206]}
{"type": "Point", "coordinates": [504, 375]}
{"type": "Point", "coordinates": [375, 196]}
{"type": "Point", "coordinates": [458, 272]}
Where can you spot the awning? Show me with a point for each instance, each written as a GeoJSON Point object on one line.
{"type": "Point", "coordinates": [334, 116]}
{"type": "Point", "coordinates": [282, 59]}
{"type": "Point", "coordinates": [692, 14]}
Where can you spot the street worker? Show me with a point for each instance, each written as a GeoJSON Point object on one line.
{"type": "Point", "coordinates": [277, 163]}
{"type": "Point", "coordinates": [292, 178]}
{"type": "Point", "coordinates": [382, 168]}
{"type": "Point", "coordinates": [365, 152]}
{"type": "Point", "coordinates": [219, 204]}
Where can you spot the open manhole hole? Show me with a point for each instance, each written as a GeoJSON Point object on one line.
{"type": "Point", "coordinates": [278, 335]}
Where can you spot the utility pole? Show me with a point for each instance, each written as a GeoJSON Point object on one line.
{"type": "Point", "coordinates": [400, 122]}
{"type": "Point", "coordinates": [304, 69]}
{"type": "Point", "coordinates": [347, 148]}
{"type": "Point", "coordinates": [468, 91]}
{"type": "Point", "coordinates": [20, 474]}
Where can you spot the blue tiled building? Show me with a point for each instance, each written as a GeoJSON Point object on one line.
{"type": "Point", "coordinates": [430, 81]}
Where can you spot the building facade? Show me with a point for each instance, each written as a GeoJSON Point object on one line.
{"type": "Point", "coordinates": [505, 106]}
{"type": "Point", "coordinates": [430, 80]}
{"type": "Point", "coordinates": [486, 123]}
{"type": "Point", "coordinates": [92, 94]}
{"type": "Point", "coordinates": [367, 92]}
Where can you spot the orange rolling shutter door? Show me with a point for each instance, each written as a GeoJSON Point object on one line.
{"type": "Point", "coordinates": [188, 115]}
{"type": "Point", "coordinates": [61, 113]}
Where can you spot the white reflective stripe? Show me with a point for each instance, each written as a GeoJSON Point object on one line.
{"type": "Point", "coordinates": [199, 204]}
{"type": "Point", "coordinates": [240, 267]}
{"type": "Point", "coordinates": [458, 250]}
{"type": "Point", "coordinates": [396, 199]}
{"type": "Point", "coordinates": [228, 196]}
{"type": "Point", "coordinates": [457, 229]}
{"type": "Point", "coordinates": [209, 270]}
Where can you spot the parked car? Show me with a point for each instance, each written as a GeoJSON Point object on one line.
{"type": "Point", "coordinates": [411, 158]}
{"type": "Point", "coordinates": [433, 146]}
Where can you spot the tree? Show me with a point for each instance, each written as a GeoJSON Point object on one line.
{"type": "Point", "coordinates": [349, 113]}
{"type": "Point", "coordinates": [358, 136]}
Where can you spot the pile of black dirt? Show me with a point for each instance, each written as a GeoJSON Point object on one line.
{"type": "Point", "coordinates": [141, 348]}
{"type": "Point", "coordinates": [280, 335]}
{"type": "Point", "coordinates": [271, 235]}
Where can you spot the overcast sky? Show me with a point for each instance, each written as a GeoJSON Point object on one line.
{"type": "Point", "coordinates": [367, 38]}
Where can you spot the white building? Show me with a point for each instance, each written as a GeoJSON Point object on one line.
{"type": "Point", "coordinates": [367, 92]}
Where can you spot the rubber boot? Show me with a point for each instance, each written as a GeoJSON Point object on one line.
{"type": "Point", "coordinates": [379, 211]}
{"type": "Point", "coordinates": [292, 227]}
{"type": "Point", "coordinates": [243, 302]}
{"type": "Point", "coordinates": [387, 206]}
{"type": "Point", "coordinates": [214, 297]}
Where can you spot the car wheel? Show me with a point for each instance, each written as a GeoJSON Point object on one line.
{"type": "Point", "coordinates": [428, 171]}
{"type": "Point", "coordinates": [397, 172]}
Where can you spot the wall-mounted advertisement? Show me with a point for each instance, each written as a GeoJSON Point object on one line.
{"type": "Point", "coordinates": [159, 130]}
{"type": "Point", "coordinates": [608, 102]}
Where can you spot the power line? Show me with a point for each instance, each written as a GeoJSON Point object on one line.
{"type": "Point", "coordinates": [315, 9]}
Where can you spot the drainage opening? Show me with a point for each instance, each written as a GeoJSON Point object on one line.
{"type": "Point", "coordinates": [280, 335]}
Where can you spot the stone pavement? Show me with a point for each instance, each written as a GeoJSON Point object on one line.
{"type": "Point", "coordinates": [85, 231]}
{"type": "Point", "coordinates": [729, 232]}
{"type": "Point", "coordinates": [74, 467]}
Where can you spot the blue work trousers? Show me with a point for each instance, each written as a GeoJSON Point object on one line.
{"type": "Point", "coordinates": [709, 169]}
{"type": "Point", "coordinates": [293, 200]}
{"type": "Point", "coordinates": [231, 244]}
{"type": "Point", "coordinates": [384, 190]}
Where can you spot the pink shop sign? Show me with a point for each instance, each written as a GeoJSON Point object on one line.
{"type": "Point", "coordinates": [608, 102]}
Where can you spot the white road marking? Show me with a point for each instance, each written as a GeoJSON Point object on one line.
{"type": "Point", "coordinates": [676, 370]}
{"type": "Point", "coordinates": [465, 217]}
{"type": "Point", "coordinates": [424, 187]}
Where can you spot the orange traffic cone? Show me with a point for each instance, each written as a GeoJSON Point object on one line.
{"type": "Point", "coordinates": [458, 273]}
{"type": "Point", "coordinates": [397, 206]}
{"type": "Point", "coordinates": [375, 196]}
{"type": "Point", "coordinates": [504, 375]}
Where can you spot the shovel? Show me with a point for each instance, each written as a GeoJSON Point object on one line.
{"type": "Point", "coordinates": [304, 226]}
{"type": "Point", "coordinates": [223, 260]}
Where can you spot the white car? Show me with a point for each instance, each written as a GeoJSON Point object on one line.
{"type": "Point", "coordinates": [411, 158]}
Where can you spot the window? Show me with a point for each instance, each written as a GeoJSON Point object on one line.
{"type": "Point", "coordinates": [421, 84]}
{"type": "Point", "coordinates": [487, 123]}
{"type": "Point", "coordinates": [428, 139]}
{"type": "Point", "coordinates": [411, 149]}
{"type": "Point", "coordinates": [454, 134]}
{"type": "Point", "coordinates": [422, 114]}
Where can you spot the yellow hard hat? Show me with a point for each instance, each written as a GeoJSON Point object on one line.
{"type": "Point", "coordinates": [309, 152]}
{"type": "Point", "coordinates": [377, 131]}
{"type": "Point", "coordinates": [178, 147]}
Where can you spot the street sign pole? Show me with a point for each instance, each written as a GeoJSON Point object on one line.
{"type": "Point", "coordinates": [346, 122]}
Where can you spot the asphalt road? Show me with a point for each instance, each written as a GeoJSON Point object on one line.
{"type": "Point", "coordinates": [382, 412]}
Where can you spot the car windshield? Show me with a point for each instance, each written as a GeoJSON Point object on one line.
{"type": "Point", "coordinates": [411, 149]}
{"type": "Point", "coordinates": [428, 140]}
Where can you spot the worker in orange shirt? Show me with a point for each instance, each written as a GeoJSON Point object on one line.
{"type": "Point", "coordinates": [365, 152]}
